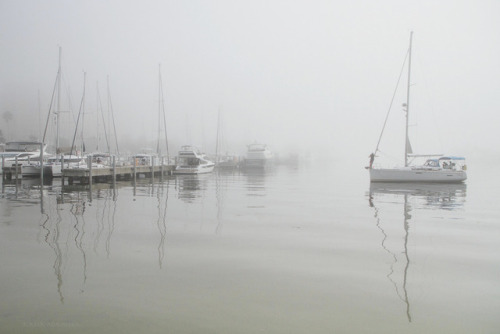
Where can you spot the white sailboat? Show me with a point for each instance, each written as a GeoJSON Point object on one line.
{"type": "Point", "coordinates": [53, 164]}
{"type": "Point", "coordinates": [438, 168]}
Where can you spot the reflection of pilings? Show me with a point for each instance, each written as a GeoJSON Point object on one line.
{"type": "Point", "coordinates": [100, 224]}
{"type": "Point", "coordinates": [220, 202]}
{"type": "Point", "coordinates": [111, 223]}
{"type": "Point", "coordinates": [114, 170]}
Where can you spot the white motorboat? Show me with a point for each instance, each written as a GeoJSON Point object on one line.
{"type": "Point", "coordinates": [227, 161]}
{"type": "Point", "coordinates": [20, 152]}
{"type": "Point", "coordinates": [191, 161]}
{"type": "Point", "coordinates": [258, 155]}
{"type": "Point", "coordinates": [445, 169]}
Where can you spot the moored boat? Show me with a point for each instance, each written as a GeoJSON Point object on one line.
{"type": "Point", "coordinates": [20, 153]}
{"type": "Point", "coordinates": [258, 156]}
{"type": "Point", "coordinates": [440, 168]}
{"type": "Point", "coordinates": [191, 161]}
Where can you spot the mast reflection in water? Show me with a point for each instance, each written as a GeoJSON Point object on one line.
{"type": "Point", "coordinates": [409, 196]}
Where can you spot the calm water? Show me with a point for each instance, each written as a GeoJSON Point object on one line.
{"type": "Point", "coordinates": [305, 249]}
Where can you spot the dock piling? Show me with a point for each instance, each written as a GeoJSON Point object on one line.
{"type": "Point", "coordinates": [41, 165]}
{"type": "Point", "coordinates": [89, 165]}
{"type": "Point", "coordinates": [114, 169]}
{"type": "Point", "coordinates": [16, 168]}
{"type": "Point", "coordinates": [135, 170]}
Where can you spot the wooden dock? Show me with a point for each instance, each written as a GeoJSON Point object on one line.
{"type": "Point", "coordinates": [103, 173]}
{"type": "Point", "coordinates": [108, 174]}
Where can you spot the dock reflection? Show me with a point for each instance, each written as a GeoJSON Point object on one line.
{"type": "Point", "coordinates": [410, 196]}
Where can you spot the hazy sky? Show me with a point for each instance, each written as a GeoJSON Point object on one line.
{"type": "Point", "coordinates": [306, 74]}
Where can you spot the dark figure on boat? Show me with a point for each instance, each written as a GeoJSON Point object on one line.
{"type": "Point", "coordinates": [372, 157]}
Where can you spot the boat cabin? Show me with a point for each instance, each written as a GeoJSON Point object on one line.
{"type": "Point", "coordinates": [454, 163]}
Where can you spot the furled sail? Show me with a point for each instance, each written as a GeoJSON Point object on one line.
{"type": "Point", "coordinates": [408, 146]}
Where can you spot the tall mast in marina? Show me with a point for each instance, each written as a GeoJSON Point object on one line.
{"type": "Point", "coordinates": [112, 115]}
{"type": "Point", "coordinates": [161, 112]}
{"type": "Point", "coordinates": [58, 111]}
{"type": "Point", "coordinates": [407, 104]}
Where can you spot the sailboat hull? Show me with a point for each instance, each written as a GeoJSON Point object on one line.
{"type": "Point", "coordinates": [417, 175]}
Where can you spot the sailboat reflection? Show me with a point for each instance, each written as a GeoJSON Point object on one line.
{"type": "Point", "coordinates": [223, 178]}
{"type": "Point", "coordinates": [65, 230]}
{"type": "Point", "coordinates": [383, 196]}
{"type": "Point", "coordinates": [161, 222]}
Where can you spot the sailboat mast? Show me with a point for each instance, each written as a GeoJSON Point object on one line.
{"type": "Point", "coordinates": [159, 110]}
{"type": "Point", "coordinates": [217, 139]}
{"type": "Point", "coordinates": [58, 101]}
{"type": "Point", "coordinates": [97, 117]}
{"type": "Point", "coordinates": [407, 141]}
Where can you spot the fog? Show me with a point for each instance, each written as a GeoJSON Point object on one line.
{"type": "Point", "coordinates": [310, 77]}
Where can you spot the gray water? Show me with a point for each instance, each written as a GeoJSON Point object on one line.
{"type": "Point", "coordinates": [297, 249]}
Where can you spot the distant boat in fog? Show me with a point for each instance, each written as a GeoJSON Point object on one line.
{"type": "Point", "coordinates": [191, 161]}
{"type": "Point", "coordinates": [258, 156]}
{"type": "Point", "coordinates": [438, 168]}
{"type": "Point", "coordinates": [223, 160]}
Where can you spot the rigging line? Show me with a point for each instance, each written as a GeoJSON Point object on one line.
{"type": "Point", "coordinates": [68, 95]}
{"type": "Point", "coordinates": [78, 119]}
{"type": "Point", "coordinates": [392, 101]}
{"type": "Point", "coordinates": [217, 138]}
{"type": "Point", "coordinates": [48, 115]}
{"type": "Point", "coordinates": [113, 118]}
{"type": "Point", "coordinates": [164, 118]}
{"type": "Point", "coordinates": [103, 119]}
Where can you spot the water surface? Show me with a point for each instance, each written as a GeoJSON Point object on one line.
{"type": "Point", "coordinates": [290, 250]}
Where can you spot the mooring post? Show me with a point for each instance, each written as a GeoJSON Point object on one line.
{"type": "Point", "coordinates": [41, 165]}
{"type": "Point", "coordinates": [89, 165]}
{"type": "Point", "coordinates": [62, 169]}
{"type": "Point", "coordinates": [161, 167]}
{"type": "Point", "coordinates": [152, 167]}
{"type": "Point", "coordinates": [16, 168]}
{"type": "Point", "coordinates": [114, 169]}
{"type": "Point", "coordinates": [135, 170]}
